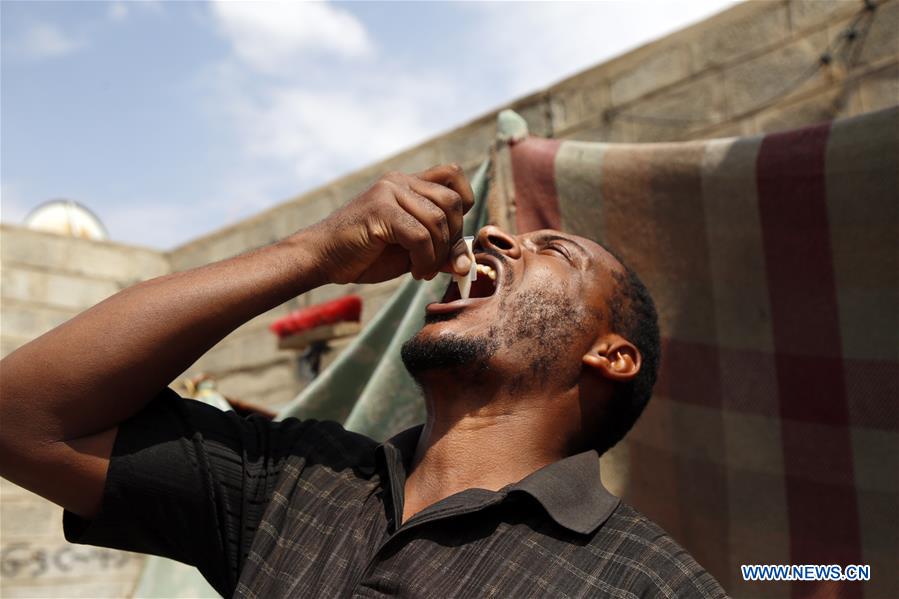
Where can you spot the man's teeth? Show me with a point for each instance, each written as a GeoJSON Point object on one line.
{"type": "Point", "coordinates": [484, 269]}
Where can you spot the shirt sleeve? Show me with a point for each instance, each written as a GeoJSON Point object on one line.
{"type": "Point", "coordinates": [189, 482]}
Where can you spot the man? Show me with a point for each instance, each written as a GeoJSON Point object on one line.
{"type": "Point", "coordinates": [498, 494]}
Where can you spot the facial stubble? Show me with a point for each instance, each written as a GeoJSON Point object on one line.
{"type": "Point", "coordinates": [534, 323]}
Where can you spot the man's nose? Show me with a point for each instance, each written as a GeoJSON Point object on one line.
{"type": "Point", "coordinates": [494, 238]}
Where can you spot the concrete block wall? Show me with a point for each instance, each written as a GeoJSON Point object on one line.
{"type": "Point", "coordinates": [36, 560]}
{"type": "Point", "coordinates": [46, 279]}
{"type": "Point", "coordinates": [744, 71]}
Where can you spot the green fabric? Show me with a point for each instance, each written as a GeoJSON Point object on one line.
{"type": "Point", "coordinates": [367, 387]}
{"type": "Point", "coordinates": [163, 578]}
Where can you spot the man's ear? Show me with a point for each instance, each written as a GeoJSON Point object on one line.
{"type": "Point", "coordinates": [614, 357]}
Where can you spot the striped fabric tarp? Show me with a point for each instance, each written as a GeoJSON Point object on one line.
{"type": "Point", "coordinates": [773, 435]}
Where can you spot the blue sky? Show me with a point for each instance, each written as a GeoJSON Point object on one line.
{"type": "Point", "coordinates": [172, 119]}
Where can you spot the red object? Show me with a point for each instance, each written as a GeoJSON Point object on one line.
{"type": "Point", "coordinates": [342, 309]}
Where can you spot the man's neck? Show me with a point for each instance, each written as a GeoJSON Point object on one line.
{"type": "Point", "coordinates": [481, 439]}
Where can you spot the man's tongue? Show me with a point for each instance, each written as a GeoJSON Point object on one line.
{"type": "Point", "coordinates": [482, 287]}
{"type": "Point", "coordinates": [452, 293]}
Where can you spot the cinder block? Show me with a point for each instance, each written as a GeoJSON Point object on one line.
{"type": "Point", "coordinates": [535, 111]}
{"type": "Point", "coordinates": [101, 588]}
{"type": "Point", "coordinates": [10, 343]}
{"type": "Point", "coordinates": [610, 130]}
{"type": "Point", "coordinates": [230, 243]}
{"type": "Point", "coordinates": [114, 261]}
{"type": "Point", "coordinates": [882, 41]}
{"type": "Point", "coordinates": [470, 144]}
{"type": "Point", "coordinates": [122, 263]}
{"type": "Point", "coordinates": [673, 114]}
{"type": "Point", "coordinates": [29, 321]}
{"type": "Point", "coordinates": [223, 357]}
{"type": "Point", "coordinates": [664, 67]}
{"type": "Point", "coordinates": [251, 344]}
{"type": "Point", "coordinates": [417, 159]}
{"type": "Point", "coordinates": [29, 519]}
{"type": "Point", "coordinates": [809, 13]}
{"type": "Point", "coordinates": [307, 210]}
{"type": "Point", "coordinates": [260, 233]}
{"type": "Point", "coordinates": [327, 293]}
{"type": "Point", "coordinates": [56, 569]}
{"type": "Point", "coordinates": [66, 291]}
{"type": "Point", "coordinates": [776, 75]}
{"type": "Point", "coordinates": [318, 208]}
{"type": "Point", "coordinates": [294, 217]}
{"type": "Point", "coordinates": [729, 129]}
{"type": "Point", "coordinates": [880, 89]}
{"type": "Point", "coordinates": [192, 254]}
{"type": "Point", "coordinates": [348, 187]}
{"type": "Point", "coordinates": [571, 108]}
{"type": "Point", "coordinates": [38, 562]}
{"type": "Point", "coordinates": [727, 41]}
{"type": "Point", "coordinates": [222, 244]}
{"type": "Point", "coordinates": [817, 109]}
{"type": "Point", "coordinates": [246, 383]}
{"type": "Point", "coordinates": [260, 347]}
{"type": "Point", "coordinates": [12, 492]}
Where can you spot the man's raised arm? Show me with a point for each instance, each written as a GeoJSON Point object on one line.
{"type": "Point", "coordinates": [63, 394]}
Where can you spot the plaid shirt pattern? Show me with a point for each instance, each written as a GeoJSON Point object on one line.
{"type": "Point", "coordinates": [308, 509]}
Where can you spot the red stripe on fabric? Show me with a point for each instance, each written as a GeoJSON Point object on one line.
{"type": "Point", "coordinates": [534, 175]}
{"type": "Point", "coordinates": [823, 519]}
{"type": "Point", "coordinates": [824, 540]}
{"type": "Point", "coordinates": [801, 280]}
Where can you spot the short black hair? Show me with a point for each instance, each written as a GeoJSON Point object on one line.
{"type": "Point", "coordinates": [632, 314]}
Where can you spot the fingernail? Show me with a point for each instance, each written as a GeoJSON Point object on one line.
{"type": "Point", "coordinates": [462, 263]}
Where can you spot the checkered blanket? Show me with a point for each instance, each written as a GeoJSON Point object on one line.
{"type": "Point", "coordinates": [773, 433]}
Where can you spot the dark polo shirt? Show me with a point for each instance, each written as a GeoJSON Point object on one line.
{"type": "Point", "coordinates": [308, 509]}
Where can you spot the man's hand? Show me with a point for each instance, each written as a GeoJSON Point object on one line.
{"type": "Point", "coordinates": [60, 409]}
{"type": "Point", "coordinates": [402, 223]}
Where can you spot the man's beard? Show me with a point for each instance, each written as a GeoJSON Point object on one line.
{"type": "Point", "coordinates": [421, 354]}
{"type": "Point", "coordinates": [542, 321]}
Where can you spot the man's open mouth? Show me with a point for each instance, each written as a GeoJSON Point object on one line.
{"type": "Point", "coordinates": [482, 289]}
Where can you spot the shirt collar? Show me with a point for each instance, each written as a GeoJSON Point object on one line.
{"type": "Point", "coordinates": [570, 490]}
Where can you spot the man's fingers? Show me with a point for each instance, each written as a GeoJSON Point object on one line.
{"type": "Point", "coordinates": [449, 176]}
{"type": "Point", "coordinates": [452, 176]}
{"type": "Point", "coordinates": [432, 216]}
{"type": "Point", "coordinates": [424, 215]}
{"type": "Point", "coordinates": [458, 261]}
{"type": "Point", "coordinates": [448, 200]}
{"type": "Point", "coordinates": [414, 237]}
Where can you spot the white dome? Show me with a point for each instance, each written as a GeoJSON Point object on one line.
{"type": "Point", "coordinates": [66, 217]}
